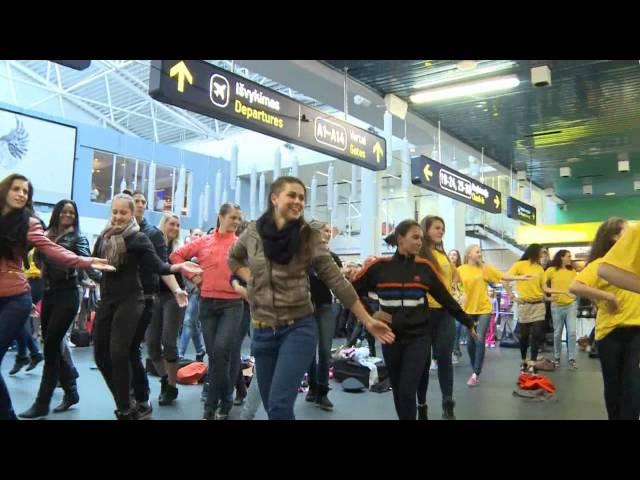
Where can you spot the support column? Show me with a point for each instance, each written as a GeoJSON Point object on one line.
{"type": "Point", "coordinates": [369, 244]}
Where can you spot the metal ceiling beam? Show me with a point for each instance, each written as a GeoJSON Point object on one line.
{"type": "Point", "coordinates": [104, 73]}
{"type": "Point", "coordinates": [78, 103]}
{"type": "Point", "coordinates": [121, 75]}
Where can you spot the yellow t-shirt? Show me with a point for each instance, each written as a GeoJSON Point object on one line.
{"type": "Point", "coordinates": [446, 271]}
{"type": "Point", "coordinates": [561, 279]}
{"type": "Point", "coordinates": [628, 313]}
{"type": "Point", "coordinates": [528, 290]}
{"type": "Point", "coordinates": [474, 282]}
{"type": "Point", "coordinates": [625, 254]}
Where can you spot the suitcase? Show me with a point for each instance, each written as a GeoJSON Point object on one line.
{"type": "Point", "coordinates": [344, 368]}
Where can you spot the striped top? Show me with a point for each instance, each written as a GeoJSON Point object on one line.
{"type": "Point", "coordinates": [402, 283]}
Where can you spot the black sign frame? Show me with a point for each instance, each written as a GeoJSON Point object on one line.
{"type": "Point", "coordinates": [206, 89]}
{"type": "Point", "coordinates": [434, 176]}
{"type": "Point", "coordinates": [521, 211]}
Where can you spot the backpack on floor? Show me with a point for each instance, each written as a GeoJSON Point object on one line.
{"type": "Point", "coordinates": [192, 374]}
{"type": "Point", "coordinates": [345, 368]}
{"type": "Point", "coordinates": [510, 338]}
{"type": "Point", "coordinates": [80, 338]}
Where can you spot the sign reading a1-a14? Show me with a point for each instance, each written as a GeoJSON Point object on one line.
{"type": "Point", "coordinates": [429, 174]}
{"type": "Point", "coordinates": [206, 89]}
{"type": "Point", "coordinates": [521, 211]}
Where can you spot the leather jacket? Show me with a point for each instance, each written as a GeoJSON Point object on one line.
{"type": "Point", "coordinates": [56, 276]}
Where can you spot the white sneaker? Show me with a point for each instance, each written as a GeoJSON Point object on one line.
{"type": "Point", "coordinates": [434, 365]}
{"type": "Point", "coordinates": [454, 359]}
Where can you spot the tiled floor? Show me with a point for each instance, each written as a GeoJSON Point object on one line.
{"type": "Point", "coordinates": [579, 394]}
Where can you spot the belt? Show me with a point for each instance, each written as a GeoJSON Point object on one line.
{"type": "Point", "coordinates": [259, 324]}
{"type": "Point", "coordinates": [534, 302]}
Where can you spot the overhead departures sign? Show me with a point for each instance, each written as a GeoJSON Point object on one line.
{"type": "Point", "coordinates": [429, 174]}
{"type": "Point", "coordinates": [203, 88]}
{"type": "Point", "coordinates": [521, 211]}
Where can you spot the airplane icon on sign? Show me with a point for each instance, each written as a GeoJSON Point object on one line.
{"type": "Point", "coordinates": [219, 91]}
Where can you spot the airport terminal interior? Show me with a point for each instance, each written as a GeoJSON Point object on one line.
{"type": "Point", "coordinates": [497, 186]}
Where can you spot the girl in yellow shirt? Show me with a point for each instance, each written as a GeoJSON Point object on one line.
{"type": "Point", "coordinates": [530, 300]}
{"type": "Point", "coordinates": [443, 325]}
{"type": "Point", "coordinates": [617, 320]}
{"type": "Point", "coordinates": [475, 275]}
{"type": "Point", "coordinates": [564, 309]}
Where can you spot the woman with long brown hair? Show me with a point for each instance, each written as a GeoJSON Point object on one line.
{"type": "Point", "coordinates": [19, 231]}
{"type": "Point", "coordinates": [564, 309]}
{"type": "Point", "coordinates": [617, 320]}
{"type": "Point", "coordinates": [220, 308]}
{"type": "Point", "coordinates": [274, 256]}
{"type": "Point", "coordinates": [443, 325]}
{"type": "Point", "coordinates": [530, 303]}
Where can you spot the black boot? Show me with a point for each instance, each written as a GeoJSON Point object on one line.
{"type": "Point", "coordinates": [447, 410]}
{"type": "Point", "coordinates": [37, 410]}
{"type": "Point", "coordinates": [164, 381]}
{"type": "Point", "coordinates": [422, 412]}
{"type": "Point", "coordinates": [312, 394]}
{"type": "Point", "coordinates": [322, 400]}
{"type": "Point", "coordinates": [20, 362]}
{"type": "Point", "coordinates": [70, 398]}
{"type": "Point", "coordinates": [129, 415]}
{"type": "Point", "coordinates": [169, 395]}
{"type": "Point", "coordinates": [36, 358]}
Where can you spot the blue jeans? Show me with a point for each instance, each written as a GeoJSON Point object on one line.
{"type": "Point", "coordinates": [564, 315]}
{"type": "Point", "coordinates": [476, 348]}
{"type": "Point", "coordinates": [282, 358]}
{"type": "Point", "coordinates": [461, 336]}
{"type": "Point", "coordinates": [443, 334]}
{"type": "Point", "coordinates": [319, 370]}
{"type": "Point", "coordinates": [191, 328]}
{"type": "Point", "coordinates": [221, 326]}
{"type": "Point", "coordinates": [13, 311]}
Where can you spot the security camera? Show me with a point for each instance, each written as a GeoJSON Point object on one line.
{"type": "Point", "coordinates": [541, 76]}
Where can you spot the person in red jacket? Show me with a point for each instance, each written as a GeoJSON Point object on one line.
{"type": "Point", "coordinates": [19, 231]}
{"type": "Point", "coordinates": [220, 307]}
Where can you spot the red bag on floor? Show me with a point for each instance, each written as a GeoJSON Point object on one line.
{"type": "Point", "coordinates": [192, 374]}
{"type": "Point", "coordinates": [534, 382]}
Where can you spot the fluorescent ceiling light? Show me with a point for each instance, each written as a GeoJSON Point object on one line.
{"type": "Point", "coordinates": [610, 194]}
{"type": "Point", "coordinates": [454, 76]}
{"type": "Point", "coordinates": [466, 89]}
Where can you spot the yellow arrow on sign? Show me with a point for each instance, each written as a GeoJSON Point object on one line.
{"type": "Point", "coordinates": [377, 151]}
{"type": "Point", "coordinates": [427, 172]}
{"type": "Point", "coordinates": [496, 201]}
{"type": "Point", "coordinates": [181, 70]}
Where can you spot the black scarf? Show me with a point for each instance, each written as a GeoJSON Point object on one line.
{"type": "Point", "coordinates": [13, 233]}
{"type": "Point", "coordinates": [280, 246]}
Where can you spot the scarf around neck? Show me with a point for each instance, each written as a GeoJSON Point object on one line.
{"type": "Point", "coordinates": [113, 247]}
{"type": "Point", "coordinates": [280, 246]}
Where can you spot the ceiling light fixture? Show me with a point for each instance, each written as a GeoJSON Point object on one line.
{"type": "Point", "coordinates": [610, 194]}
{"type": "Point", "coordinates": [466, 89]}
{"type": "Point", "coordinates": [461, 74]}
{"type": "Point", "coordinates": [587, 189]}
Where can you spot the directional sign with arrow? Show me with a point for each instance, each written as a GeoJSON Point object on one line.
{"type": "Point", "coordinates": [183, 73]}
{"type": "Point", "coordinates": [521, 211]}
{"type": "Point", "coordinates": [204, 88]}
{"type": "Point", "coordinates": [429, 174]}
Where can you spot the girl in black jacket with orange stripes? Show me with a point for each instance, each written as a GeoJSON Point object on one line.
{"type": "Point", "coordinates": [401, 283]}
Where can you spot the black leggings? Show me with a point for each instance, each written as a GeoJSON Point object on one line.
{"type": "Point", "coordinates": [139, 379]}
{"type": "Point", "coordinates": [620, 361]}
{"type": "Point", "coordinates": [405, 360]}
{"type": "Point", "coordinates": [59, 309]}
{"type": "Point", "coordinates": [113, 336]}
{"type": "Point", "coordinates": [536, 331]}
